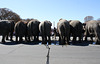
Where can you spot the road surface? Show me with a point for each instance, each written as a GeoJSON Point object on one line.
{"type": "Point", "coordinates": [11, 53]}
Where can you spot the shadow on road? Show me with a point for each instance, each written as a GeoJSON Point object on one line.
{"type": "Point", "coordinates": [84, 43]}
{"type": "Point", "coordinates": [32, 43]}
{"type": "Point", "coordinates": [23, 42]}
{"type": "Point", "coordinates": [9, 43]}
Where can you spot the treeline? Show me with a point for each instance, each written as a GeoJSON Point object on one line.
{"type": "Point", "coordinates": [7, 14]}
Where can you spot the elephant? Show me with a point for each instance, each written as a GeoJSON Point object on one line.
{"type": "Point", "coordinates": [93, 28]}
{"type": "Point", "coordinates": [33, 29]}
{"type": "Point", "coordinates": [12, 24]}
{"type": "Point", "coordinates": [63, 28]}
{"type": "Point", "coordinates": [21, 30]}
{"type": "Point", "coordinates": [45, 31]}
{"type": "Point", "coordinates": [87, 35]}
{"type": "Point", "coordinates": [55, 32]}
{"type": "Point", "coordinates": [76, 30]}
{"type": "Point", "coordinates": [6, 27]}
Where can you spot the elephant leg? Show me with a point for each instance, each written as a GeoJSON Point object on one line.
{"type": "Point", "coordinates": [62, 40]}
{"type": "Point", "coordinates": [49, 40]}
{"type": "Point", "coordinates": [7, 37]}
{"type": "Point", "coordinates": [3, 39]}
{"type": "Point", "coordinates": [55, 36]}
{"type": "Point", "coordinates": [97, 38]}
{"type": "Point", "coordinates": [67, 39]}
{"type": "Point", "coordinates": [80, 37]}
{"type": "Point", "coordinates": [43, 39]}
{"type": "Point", "coordinates": [85, 37]}
{"type": "Point", "coordinates": [91, 38]}
{"type": "Point", "coordinates": [64, 37]}
{"type": "Point", "coordinates": [26, 38]}
{"type": "Point", "coordinates": [20, 38]}
{"type": "Point", "coordinates": [74, 38]}
{"type": "Point", "coordinates": [11, 36]}
{"type": "Point", "coordinates": [34, 38]}
{"type": "Point", "coordinates": [59, 38]}
{"type": "Point", "coordinates": [16, 38]}
{"type": "Point", "coordinates": [29, 38]}
{"type": "Point", "coordinates": [37, 38]}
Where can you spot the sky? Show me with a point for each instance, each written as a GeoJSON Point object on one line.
{"type": "Point", "coordinates": [53, 10]}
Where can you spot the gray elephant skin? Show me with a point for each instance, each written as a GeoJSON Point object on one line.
{"type": "Point", "coordinates": [76, 30]}
{"type": "Point", "coordinates": [45, 31]}
{"type": "Point", "coordinates": [20, 30]}
{"type": "Point", "coordinates": [63, 29]}
{"type": "Point", "coordinates": [11, 32]}
{"type": "Point", "coordinates": [93, 28]}
{"type": "Point", "coordinates": [6, 27]}
{"type": "Point", "coordinates": [33, 29]}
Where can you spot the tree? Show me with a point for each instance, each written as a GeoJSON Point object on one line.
{"type": "Point", "coordinates": [28, 19]}
{"type": "Point", "coordinates": [7, 14]}
{"type": "Point", "coordinates": [88, 18]}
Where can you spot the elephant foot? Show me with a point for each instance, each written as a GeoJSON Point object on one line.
{"type": "Point", "coordinates": [62, 43]}
{"type": "Point", "coordinates": [85, 40]}
{"type": "Point", "coordinates": [3, 41]}
{"type": "Point", "coordinates": [49, 43]}
{"type": "Point", "coordinates": [37, 39]}
{"type": "Point", "coordinates": [79, 41]}
{"type": "Point", "coordinates": [74, 42]}
{"type": "Point", "coordinates": [44, 42]}
{"type": "Point", "coordinates": [21, 40]}
{"type": "Point", "coordinates": [17, 42]}
{"type": "Point", "coordinates": [91, 40]}
{"type": "Point", "coordinates": [98, 43]}
{"type": "Point", "coordinates": [28, 40]}
{"type": "Point", "coordinates": [7, 39]}
{"type": "Point", "coordinates": [67, 43]}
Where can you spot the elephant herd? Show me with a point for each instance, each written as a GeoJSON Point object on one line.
{"type": "Point", "coordinates": [65, 30]}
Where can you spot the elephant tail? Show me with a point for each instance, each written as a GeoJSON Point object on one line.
{"type": "Point", "coordinates": [64, 29]}
{"type": "Point", "coordinates": [43, 29]}
{"type": "Point", "coordinates": [90, 30]}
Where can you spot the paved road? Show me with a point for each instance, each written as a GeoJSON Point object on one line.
{"type": "Point", "coordinates": [11, 53]}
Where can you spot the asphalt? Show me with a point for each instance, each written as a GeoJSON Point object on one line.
{"type": "Point", "coordinates": [22, 53]}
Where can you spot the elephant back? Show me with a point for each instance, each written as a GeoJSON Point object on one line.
{"type": "Point", "coordinates": [4, 27]}
{"type": "Point", "coordinates": [45, 27]}
{"type": "Point", "coordinates": [76, 27]}
{"type": "Point", "coordinates": [63, 27]}
{"type": "Point", "coordinates": [76, 24]}
{"type": "Point", "coordinates": [20, 28]}
{"type": "Point", "coordinates": [92, 26]}
{"type": "Point", "coordinates": [33, 27]}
